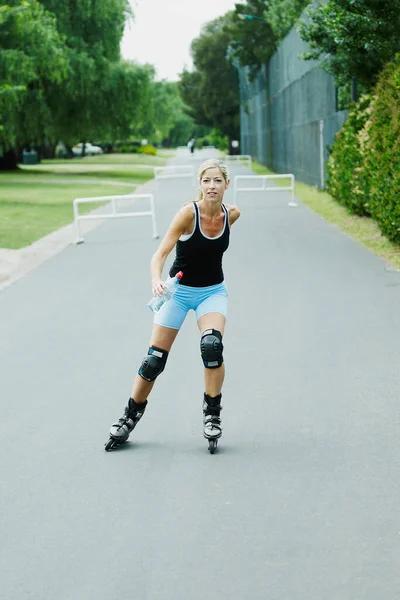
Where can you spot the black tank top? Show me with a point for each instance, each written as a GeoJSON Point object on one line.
{"type": "Point", "coordinates": [199, 256]}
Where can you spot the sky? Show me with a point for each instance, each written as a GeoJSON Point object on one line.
{"type": "Point", "coordinates": [163, 30]}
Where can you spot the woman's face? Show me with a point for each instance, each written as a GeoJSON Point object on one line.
{"type": "Point", "coordinates": [213, 184]}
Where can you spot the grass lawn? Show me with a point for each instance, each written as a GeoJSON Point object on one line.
{"type": "Point", "coordinates": [30, 211]}
{"type": "Point", "coordinates": [117, 159]}
{"type": "Point", "coordinates": [81, 169]}
{"type": "Point", "coordinates": [127, 168]}
{"type": "Point", "coordinates": [124, 167]}
{"type": "Point", "coordinates": [362, 229]}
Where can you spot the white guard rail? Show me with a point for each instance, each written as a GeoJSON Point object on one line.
{"type": "Point", "coordinates": [264, 188]}
{"type": "Point", "coordinates": [113, 214]}
{"type": "Point", "coordinates": [245, 158]}
{"type": "Point", "coordinates": [173, 172]}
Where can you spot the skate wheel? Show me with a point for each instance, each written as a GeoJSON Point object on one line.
{"type": "Point", "coordinates": [212, 446]}
{"type": "Point", "coordinates": [110, 445]}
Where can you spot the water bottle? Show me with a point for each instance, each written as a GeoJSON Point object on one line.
{"type": "Point", "coordinates": [172, 284]}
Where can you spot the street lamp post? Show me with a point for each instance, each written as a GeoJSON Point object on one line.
{"type": "Point", "coordinates": [251, 18]}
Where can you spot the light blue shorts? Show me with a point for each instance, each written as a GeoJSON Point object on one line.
{"type": "Point", "coordinates": [203, 300]}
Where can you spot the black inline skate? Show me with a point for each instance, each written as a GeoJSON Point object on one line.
{"type": "Point", "coordinates": [212, 422]}
{"type": "Point", "coordinates": [120, 431]}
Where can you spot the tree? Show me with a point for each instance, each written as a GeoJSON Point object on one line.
{"type": "Point", "coordinates": [63, 77]}
{"type": "Point", "coordinates": [32, 55]}
{"type": "Point", "coordinates": [169, 112]}
{"type": "Point", "coordinates": [283, 14]}
{"type": "Point", "coordinates": [128, 90]}
{"type": "Point", "coordinates": [178, 125]}
{"type": "Point", "coordinates": [163, 118]}
{"type": "Point", "coordinates": [94, 26]}
{"type": "Point", "coordinates": [356, 37]}
{"type": "Point", "coordinates": [258, 26]}
{"type": "Point", "coordinates": [252, 40]}
{"type": "Point", "coordinates": [99, 88]}
{"type": "Point", "coordinates": [182, 130]}
{"type": "Point", "coordinates": [210, 91]}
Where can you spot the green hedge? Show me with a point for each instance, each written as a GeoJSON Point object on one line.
{"type": "Point", "coordinates": [364, 166]}
{"type": "Point", "coordinates": [148, 149]}
{"type": "Point", "coordinates": [383, 152]}
{"type": "Point", "coordinates": [346, 181]}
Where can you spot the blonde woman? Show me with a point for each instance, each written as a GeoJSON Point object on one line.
{"type": "Point", "coordinates": [200, 234]}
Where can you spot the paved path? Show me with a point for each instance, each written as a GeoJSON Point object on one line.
{"type": "Point", "coordinates": [301, 502]}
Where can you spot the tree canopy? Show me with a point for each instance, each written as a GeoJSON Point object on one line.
{"type": "Point", "coordinates": [32, 56]}
{"type": "Point", "coordinates": [282, 15]}
{"type": "Point", "coordinates": [356, 37]}
{"type": "Point", "coordinates": [99, 88]}
{"type": "Point", "coordinates": [257, 27]}
{"type": "Point", "coordinates": [62, 78]}
{"type": "Point", "coordinates": [163, 116]}
{"type": "Point", "coordinates": [61, 74]}
{"type": "Point", "coordinates": [210, 90]}
{"type": "Point", "coordinates": [252, 40]}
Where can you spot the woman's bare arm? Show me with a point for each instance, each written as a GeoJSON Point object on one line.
{"type": "Point", "coordinates": [178, 227]}
{"type": "Point", "coordinates": [234, 213]}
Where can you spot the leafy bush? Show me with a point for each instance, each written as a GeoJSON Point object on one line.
{"type": "Point", "coordinates": [219, 140]}
{"type": "Point", "coordinates": [203, 141]}
{"type": "Point", "coordinates": [127, 146]}
{"type": "Point", "coordinates": [128, 149]}
{"type": "Point", "coordinates": [347, 181]}
{"type": "Point", "coordinates": [383, 152]}
{"type": "Point", "coordinates": [364, 166]}
{"type": "Point", "coordinates": [213, 138]}
{"type": "Point", "coordinates": [148, 149]}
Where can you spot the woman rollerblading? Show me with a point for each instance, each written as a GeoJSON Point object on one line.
{"type": "Point", "coordinates": [200, 234]}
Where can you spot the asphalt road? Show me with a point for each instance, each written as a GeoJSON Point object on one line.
{"type": "Point", "coordinates": [301, 501]}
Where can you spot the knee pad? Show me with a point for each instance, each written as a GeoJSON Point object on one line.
{"type": "Point", "coordinates": [153, 364]}
{"type": "Point", "coordinates": [211, 348]}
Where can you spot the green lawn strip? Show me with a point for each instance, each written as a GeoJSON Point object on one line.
{"type": "Point", "coordinates": [118, 159]}
{"type": "Point", "coordinates": [124, 173]}
{"type": "Point", "coordinates": [362, 229]}
{"type": "Point", "coordinates": [30, 211]}
{"type": "Point", "coordinates": [166, 152]}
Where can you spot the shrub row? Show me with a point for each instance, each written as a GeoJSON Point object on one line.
{"type": "Point", "coordinates": [364, 165]}
{"type": "Point", "coordinates": [134, 147]}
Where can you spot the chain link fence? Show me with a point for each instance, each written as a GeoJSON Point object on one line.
{"type": "Point", "coordinates": [288, 114]}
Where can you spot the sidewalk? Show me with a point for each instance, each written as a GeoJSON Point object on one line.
{"type": "Point", "coordinates": [300, 502]}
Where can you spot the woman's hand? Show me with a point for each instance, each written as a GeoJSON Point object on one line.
{"type": "Point", "coordinates": [158, 287]}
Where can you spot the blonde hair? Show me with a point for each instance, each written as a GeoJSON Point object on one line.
{"type": "Point", "coordinates": [211, 163]}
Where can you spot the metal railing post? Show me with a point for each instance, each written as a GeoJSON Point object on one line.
{"type": "Point", "coordinates": [321, 153]}
{"type": "Point", "coordinates": [76, 221]}
{"type": "Point", "coordinates": [153, 217]}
